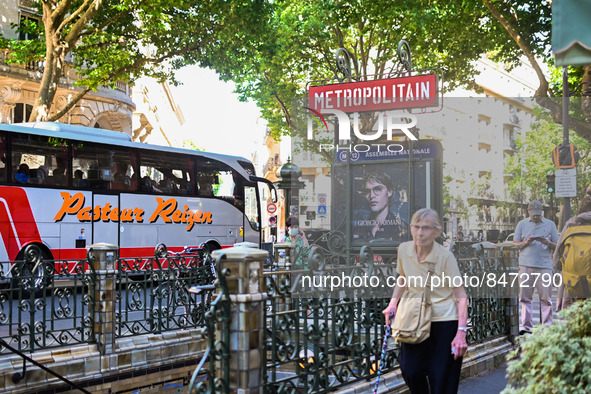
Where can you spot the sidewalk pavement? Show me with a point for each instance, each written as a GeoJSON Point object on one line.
{"type": "Point", "coordinates": [492, 382]}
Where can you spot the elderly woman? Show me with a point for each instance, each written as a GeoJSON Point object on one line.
{"type": "Point", "coordinates": [433, 365]}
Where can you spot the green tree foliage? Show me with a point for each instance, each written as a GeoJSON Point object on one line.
{"type": "Point", "coordinates": [533, 160]}
{"type": "Point", "coordinates": [556, 358]}
{"type": "Point", "coordinates": [523, 29]}
{"type": "Point", "coordinates": [122, 40]}
{"type": "Point", "coordinates": [301, 37]}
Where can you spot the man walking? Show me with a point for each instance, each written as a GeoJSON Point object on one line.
{"type": "Point", "coordinates": [536, 237]}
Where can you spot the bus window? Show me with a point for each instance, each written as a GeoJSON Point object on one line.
{"type": "Point", "coordinates": [103, 168]}
{"type": "Point", "coordinates": [165, 173]}
{"type": "Point", "coordinates": [225, 184]}
{"type": "Point", "coordinates": [251, 207]}
{"type": "Point", "coordinates": [124, 177]}
{"type": "Point", "coordinates": [43, 158]}
{"type": "Point", "coordinates": [216, 179]}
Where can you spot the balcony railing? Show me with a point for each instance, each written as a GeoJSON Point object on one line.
{"type": "Point", "coordinates": [39, 66]}
{"type": "Point", "coordinates": [33, 65]}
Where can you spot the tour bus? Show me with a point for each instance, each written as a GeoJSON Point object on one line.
{"type": "Point", "coordinates": [65, 187]}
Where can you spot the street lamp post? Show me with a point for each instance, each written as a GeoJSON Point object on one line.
{"type": "Point", "coordinates": [565, 138]}
{"type": "Point", "coordinates": [289, 180]}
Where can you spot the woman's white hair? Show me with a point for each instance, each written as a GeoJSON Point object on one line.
{"type": "Point", "coordinates": [429, 214]}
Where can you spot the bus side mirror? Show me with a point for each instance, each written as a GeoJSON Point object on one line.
{"type": "Point", "coordinates": [272, 188]}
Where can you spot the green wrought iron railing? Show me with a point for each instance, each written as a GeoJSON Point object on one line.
{"type": "Point", "coordinates": [153, 297]}
{"type": "Point", "coordinates": [48, 311]}
{"type": "Point", "coordinates": [212, 374]}
{"type": "Point", "coordinates": [330, 339]}
{"type": "Point", "coordinates": [48, 304]}
{"type": "Point", "coordinates": [324, 342]}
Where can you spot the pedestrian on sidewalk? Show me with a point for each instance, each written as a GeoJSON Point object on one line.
{"type": "Point", "coordinates": [297, 237]}
{"type": "Point", "coordinates": [433, 365]}
{"type": "Point", "coordinates": [536, 237]}
{"type": "Point", "coordinates": [564, 300]}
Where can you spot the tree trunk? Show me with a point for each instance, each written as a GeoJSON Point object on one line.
{"type": "Point", "coordinates": [54, 64]}
{"type": "Point", "coordinates": [52, 72]}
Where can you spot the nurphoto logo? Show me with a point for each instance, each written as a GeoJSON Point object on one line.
{"type": "Point", "coordinates": [388, 121]}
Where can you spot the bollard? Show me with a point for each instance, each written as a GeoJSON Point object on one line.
{"type": "Point", "coordinates": [103, 258]}
{"type": "Point", "coordinates": [510, 259]}
{"type": "Point", "coordinates": [284, 260]}
{"type": "Point", "coordinates": [284, 279]}
{"type": "Point", "coordinates": [247, 295]}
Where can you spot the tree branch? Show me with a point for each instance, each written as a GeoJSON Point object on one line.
{"type": "Point", "coordinates": [291, 126]}
{"type": "Point", "coordinates": [542, 90]}
{"type": "Point", "coordinates": [582, 128]}
{"type": "Point", "coordinates": [69, 106]}
{"type": "Point", "coordinates": [74, 33]}
{"type": "Point", "coordinates": [73, 16]}
{"type": "Point", "coordinates": [61, 9]}
{"type": "Point", "coordinates": [123, 70]}
{"type": "Point", "coordinates": [110, 21]}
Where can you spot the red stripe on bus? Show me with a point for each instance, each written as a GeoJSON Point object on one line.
{"type": "Point", "coordinates": [145, 252]}
{"type": "Point", "coordinates": [17, 221]}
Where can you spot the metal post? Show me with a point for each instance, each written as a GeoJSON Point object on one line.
{"type": "Point", "coordinates": [103, 258]}
{"type": "Point", "coordinates": [565, 137]}
{"type": "Point", "coordinates": [284, 257]}
{"type": "Point", "coordinates": [552, 206]}
{"type": "Point", "coordinates": [248, 298]}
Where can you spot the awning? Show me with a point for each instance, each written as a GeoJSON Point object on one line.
{"type": "Point", "coordinates": [571, 32]}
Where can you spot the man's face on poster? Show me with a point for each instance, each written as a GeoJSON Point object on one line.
{"type": "Point", "coordinates": [377, 195]}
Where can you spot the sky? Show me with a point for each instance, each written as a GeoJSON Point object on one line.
{"type": "Point", "coordinates": [214, 118]}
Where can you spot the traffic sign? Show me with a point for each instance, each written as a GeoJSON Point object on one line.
{"type": "Point", "coordinates": [565, 156]}
{"type": "Point", "coordinates": [322, 210]}
{"type": "Point", "coordinates": [322, 198]}
{"type": "Point", "coordinates": [271, 208]}
{"type": "Point", "coordinates": [566, 183]}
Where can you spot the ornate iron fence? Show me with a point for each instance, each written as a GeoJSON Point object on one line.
{"type": "Point", "coordinates": [212, 374]}
{"type": "Point", "coordinates": [54, 306]}
{"type": "Point", "coordinates": [320, 344]}
{"type": "Point", "coordinates": [51, 311]}
{"type": "Point", "coordinates": [152, 294]}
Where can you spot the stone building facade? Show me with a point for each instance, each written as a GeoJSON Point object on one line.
{"type": "Point", "coordinates": [106, 108]}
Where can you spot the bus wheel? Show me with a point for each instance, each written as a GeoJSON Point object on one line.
{"type": "Point", "coordinates": [208, 248]}
{"type": "Point", "coordinates": [33, 271]}
{"type": "Point", "coordinates": [205, 256]}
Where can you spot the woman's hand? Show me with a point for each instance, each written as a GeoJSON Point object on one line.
{"type": "Point", "coordinates": [390, 310]}
{"type": "Point", "coordinates": [460, 345]}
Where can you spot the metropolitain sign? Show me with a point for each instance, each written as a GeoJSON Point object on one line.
{"type": "Point", "coordinates": [376, 95]}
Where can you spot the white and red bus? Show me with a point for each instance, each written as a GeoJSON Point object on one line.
{"type": "Point", "coordinates": [64, 187]}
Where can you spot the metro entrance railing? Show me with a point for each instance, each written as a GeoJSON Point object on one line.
{"type": "Point", "coordinates": [149, 296]}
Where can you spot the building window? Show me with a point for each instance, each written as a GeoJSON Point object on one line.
{"type": "Point", "coordinates": [28, 27]}
{"type": "Point", "coordinates": [22, 113]}
{"type": "Point", "coordinates": [484, 147]}
{"type": "Point", "coordinates": [484, 174]}
{"type": "Point", "coordinates": [484, 119]}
